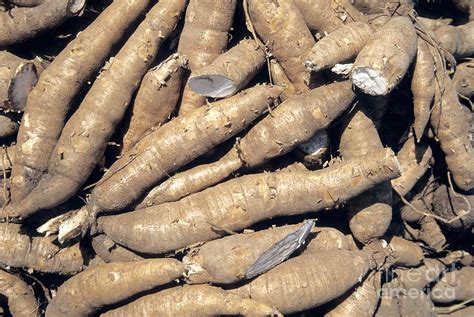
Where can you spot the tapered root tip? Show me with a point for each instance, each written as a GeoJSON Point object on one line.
{"type": "Point", "coordinates": [215, 86]}
{"type": "Point", "coordinates": [370, 81]}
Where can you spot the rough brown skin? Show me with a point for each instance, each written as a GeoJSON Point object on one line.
{"type": "Point", "coordinates": [388, 306]}
{"type": "Point", "coordinates": [416, 303]}
{"type": "Point", "coordinates": [429, 233]}
{"type": "Point", "coordinates": [419, 277]}
{"type": "Point", "coordinates": [463, 79]}
{"type": "Point", "coordinates": [304, 115]}
{"type": "Point", "coordinates": [17, 77]}
{"type": "Point", "coordinates": [422, 87]}
{"type": "Point", "coordinates": [191, 181]}
{"type": "Point", "coordinates": [20, 297]}
{"type": "Point", "coordinates": [362, 302]}
{"type": "Point", "coordinates": [455, 286]}
{"type": "Point", "coordinates": [51, 98]}
{"type": "Point", "coordinates": [379, 6]}
{"type": "Point", "coordinates": [339, 46]}
{"type": "Point", "coordinates": [406, 253]}
{"type": "Point", "coordinates": [37, 253]}
{"type": "Point", "coordinates": [307, 281]}
{"type": "Point", "coordinates": [8, 125]}
{"type": "Point", "coordinates": [448, 206]}
{"type": "Point", "coordinates": [193, 300]}
{"type": "Point", "coordinates": [326, 16]}
{"type": "Point", "coordinates": [229, 72]}
{"type": "Point", "coordinates": [84, 138]}
{"type": "Point", "coordinates": [370, 213]}
{"type": "Point", "coordinates": [170, 147]}
{"type": "Point", "coordinates": [26, 3]}
{"type": "Point", "coordinates": [156, 99]}
{"type": "Point", "coordinates": [204, 37]}
{"type": "Point", "coordinates": [280, 79]}
{"type": "Point", "coordinates": [422, 198]}
{"type": "Point", "coordinates": [398, 301]}
{"type": "Point", "coordinates": [384, 61]}
{"type": "Point", "coordinates": [457, 40]}
{"type": "Point", "coordinates": [226, 260]}
{"type": "Point", "coordinates": [415, 159]}
{"type": "Point", "coordinates": [281, 27]}
{"type": "Point", "coordinates": [241, 202]}
{"type": "Point", "coordinates": [109, 251]}
{"type": "Point", "coordinates": [85, 293]}
{"type": "Point", "coordinates": [4, 194]}
{"type": "Point", "coordinates": [20, 24]}
{"type": "Point", "coordinates": [450, 122]}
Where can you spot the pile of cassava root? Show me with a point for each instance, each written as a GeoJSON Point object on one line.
{"type": "Point", "coordinates": [236, 157]}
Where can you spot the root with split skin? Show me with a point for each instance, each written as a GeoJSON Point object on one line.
{"type": "Point", "coordinates": [305, 115]}
{"type": "Point", "coordinates": [84, 138]}
{"type": "Point", "coordinates": [85, 293]}
{"type": "Point", "coordinates": [282, 26]}
{"type": "Point", "coordinates": [156, 99]}
{"type": "Point", "coordinates": [241, 202]}
{"type": "Point", "coordinates": [192, 300]}
{"type": "Point", "coordinates": [38, 253]}
{"type": "Point", "coordinates": [161, 153]}
{"type": "Point", "coordinates": [51, 99]}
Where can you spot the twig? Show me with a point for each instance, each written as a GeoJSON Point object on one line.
{"type": "Point", "coordinates": [406, 202]}
{"type": "Point", "coordinates": [260, 44]}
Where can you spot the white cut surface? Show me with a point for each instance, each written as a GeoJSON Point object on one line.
{"type": "Point", "coordinates": [76, 6]}
{"type": "Point", "coordinates": [342, 69]}
{"type": "Point", "coordinates": [311, 66]}
{"type": "Point", "coordinates": [21, 86]}
{"type": "Point", "coordinates": [370, 81]}
{"type": "Point", "coordinates": [215, 86]}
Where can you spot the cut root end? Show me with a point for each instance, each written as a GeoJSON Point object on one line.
{"type": "Point", "coordinates": [76, 6]}
{"type": "Point", "coordinates": [21, 85]}
{"type": "Point", "coordinates": [342, 69]}
{"type": "Point", "coordinates": [77, 224]}
{"type": "Point", "coordinates": [370, 81]}
{"type": "Point", "coordinates": [215, 86]}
